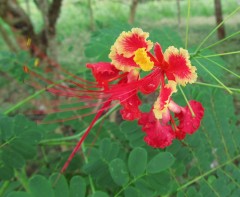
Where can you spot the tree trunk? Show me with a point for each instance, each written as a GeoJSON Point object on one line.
{"type": "Point", "coordinates": [133, 10]}
{"type": "Point", "coordinates": [219, 19]}
{"type": "Point", "coordinates": [21, 26]}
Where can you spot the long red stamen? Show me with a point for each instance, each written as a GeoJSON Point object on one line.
{"type": "Point", "coordinates": [129, 94]}
{"type": "Point", "coordinates": [104, 107]}
{"type": "Point", "coordinates": [75, 117]}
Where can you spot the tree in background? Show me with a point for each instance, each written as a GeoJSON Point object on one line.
{"type": "Point", "coordinates": [133, 9]}
{"type": "Point", "coordinates": [219, 19]}
{"type": "Point", "coordinates": [19, 21]}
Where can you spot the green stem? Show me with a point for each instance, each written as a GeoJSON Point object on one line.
{"type": "Point", "coordinates": [207, 173]}
{"type": "Point", "coordinates": [214, 77]}
{"type": "Point", "coordinates": [185, 98]}
{"type": "Point", "coordinates": [187, 26]}
{"type": "Point", "coordinates": [24, 101]}
{"type": "Point", "coordinates": [219, 54]}
{"type": "Point", "coordinates": [206, 38]}
{"type": "Point", "coordinates": [4, 187]}
{"type": "Point", "coordinates": [22, 178]}
{"type": "Point", "coordinates": [220, 41]}
{"type": "Point", "coordinates": [129, 183]}
{"type": "Point", "coordinates": [217, 86]}
{"type": "Point", "coordinates": [231, 177]}
{"type": "Point", "coordinates": [60, 143]}
{"type": "Point", "coordinates": [77, 136]}
{"type": "Point", "coordinates": [7, 142]}
{"type": "Point", "coordinates": [219, 65]}
{"type": "Point", "coordinates": [89, 176]}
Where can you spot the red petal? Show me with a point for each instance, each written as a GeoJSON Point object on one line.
{"type": "Point", "coordinates": [179, 66]}
{"type": "Point", "coordinates": [158, 135]}
{"type": "Point", "coordinates": [158, 52]}
{"type": "Point", "coordinates": [120, 62]}
{"type": "Point", "coordinates": [130, 105]}
{"type": "Point", "coordinates": [160, 138]}
{"type": "Point", "coordinates": [128, 42]}
{"type": "Point", "coordinates": [103, 71]}
{"type": "Point", "coordinates": [180, 135]}
{"type": "Point", "coordinates": [188, 123]}
{"type": "Point", "coordinates": [150, 83]}
{"type": "Point", "coordinates": [162, 102]}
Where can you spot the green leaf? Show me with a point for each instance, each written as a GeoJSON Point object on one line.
{"type": "Point", "coordinates": [13, 159]}
{"type": "Point", "coordinates": [24, 148]}
{"type": "Point", "coordinates": [99, 170]}
{"type": "Point", "coordinates": [144, 187]}
{"type": "Point", "coordinates": [12, 63]}
{"type": "Point", "coordinates": [161, 183]}
{"type": "Point", "coordinates": [145, 107]}
{"type": "Point", "coordinates": [6, 60]}
{"type": "Point", "coordinates": [160, 162]}
{"type": "Point", "coordinates": [168, 37]}
{"type": "Point", "coordinates": [119, 171]}
{"type": "Point", "coordinates": [6, 172]}
{"type": "Point", "coordinates": [131, 192]}
{"type": "Point", "coordinates": [77, 187]}
{"type": "Point", "coordinates": [18, 141]}
{"type": "Point", "coordinates": [137, 161]}
{"type": "Point", "coordinates": [59, 185]}
{"type": "Point", "coordinates": [108, 149]}
{"type": "Point", "coordinates": [101, 42]}
{"type": "Point", "coordinates": [133, 133]}
{"type": "Point", "coordinates": [39, 186]}
{"type": "Point", "coordinates": [210, 65]}
{"type": "Point", "coordinates": [6, 128]}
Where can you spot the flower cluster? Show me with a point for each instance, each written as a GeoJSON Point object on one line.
{"type": "Point", "coordinates": [120, 80]}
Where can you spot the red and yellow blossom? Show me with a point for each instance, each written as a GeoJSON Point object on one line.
{"type": "Point", "coordinates": [126, 49]}
{"type": "Point", "coordinates": [161, 105]}
{"type": "Point", "coordinates": [119, 80]}
{"type": "Point", "coordinates": [176, 64]}
{"type": "Point", "coordinates": [161, 132]}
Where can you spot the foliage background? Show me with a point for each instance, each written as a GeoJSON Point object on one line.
{"type": "Point", "coordinates": [119, 163]}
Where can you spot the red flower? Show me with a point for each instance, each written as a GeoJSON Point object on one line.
{"type": "Point", "coordinates": [130, 106]}
{"type": "Point", "coordinates": [189, 123]}
{"type": "Point", "coordinates": [176, 64]}
{"type": "Point", "coordinates": [103, 72]}
{"type": "Point", "coordinates": [161, 132]}
{"type": "Point", "coordinates": [128, 48]}
{"type": "Point", "coordinates": [125, 91]}
{"type": "Point", "coordinates": [160, 107]}
{"type": "Point", "coordinates": [158, 135]}
{"type": "Point", "coordinates": [120, 81]}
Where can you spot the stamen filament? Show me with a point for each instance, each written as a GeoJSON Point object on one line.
{"type": "Point", "coordinates": [76, 148]}
{"type": "Point", "coordinates": [76, 136]}
{"type": "Point", "coordinates": [69, 118]}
